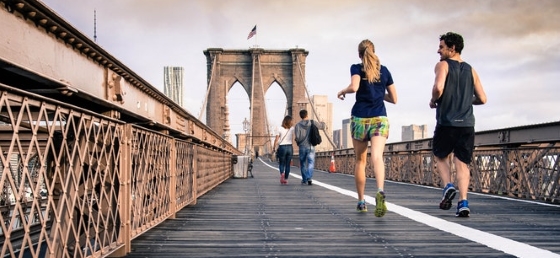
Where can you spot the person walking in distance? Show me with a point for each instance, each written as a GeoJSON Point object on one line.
{"type": "Point", "coordinates": [456, 89]}
{"type": "Point", "coordinates": [306, 150]}
{"type": "Point", "coordinates": [285, 151]}
{"type": "Point", "coordinates": [373, 84]}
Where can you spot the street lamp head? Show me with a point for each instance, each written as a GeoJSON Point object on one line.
{"type": "Point", "coordinates": [246, 125]}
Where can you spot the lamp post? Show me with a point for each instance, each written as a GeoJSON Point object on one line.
{"type": "Point", "coordinates": [246, 128]}
{"type": "Point", "coordinates": [302, 104]}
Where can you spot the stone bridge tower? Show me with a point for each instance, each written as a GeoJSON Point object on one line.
{"type": "Point", "coordinates": [256, 69]}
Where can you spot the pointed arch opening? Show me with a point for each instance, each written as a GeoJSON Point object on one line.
{"type": "Point", "coordinates": [239, 107]}
{"type": "Point", "coordinates": [276, 107]}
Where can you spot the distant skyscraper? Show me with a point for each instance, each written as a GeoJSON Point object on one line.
{"type": "Point", "coordinates": [346, 135]}
{"type": "Point", "coordinates": [414, 132]}
{"type": "Point", "coordinates": [173, 83]}
{"type": "Point", "coordinates": [336, 138]}
{"type": "Point", "coordinates": [324, 115]}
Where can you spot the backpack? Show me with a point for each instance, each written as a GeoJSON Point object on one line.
{"type": "Point", "coordinates": [314, 135]}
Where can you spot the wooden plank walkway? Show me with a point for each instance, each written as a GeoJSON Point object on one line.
{"type": "Point", "coordinates": [258, 217]}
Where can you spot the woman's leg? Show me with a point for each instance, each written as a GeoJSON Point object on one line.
{"type": "Point", "coordinates": [377, 148]}
{"type": "Point", "coordinates": [281, 159]}
{"type": "Point", "coordinates": [289, 154]}
{"type": "Point", "coordinates": [360, 150]}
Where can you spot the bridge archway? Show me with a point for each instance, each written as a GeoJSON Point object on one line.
{"type": "Point", "coordinates": [256, 69]}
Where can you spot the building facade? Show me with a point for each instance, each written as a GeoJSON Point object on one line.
{"type": "Point", "coordinates": [321, 111]}
{"type": "Point", "coordinates": [414, 132]}
{"type": "Point", "coordinates": [173, 83]}
{"type": "Point", "coordinates": [336, 138]}
{"type": "Point", "coordinates": [346, 135]}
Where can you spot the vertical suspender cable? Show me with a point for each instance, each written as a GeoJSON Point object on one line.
{"type": "Point", "coordinates": [312, 104]}
{"type": "Point", "coordinates": [268, 141]}
{"type": "Point", "coordinates": [208, 89]}
{"type": "Point", "coordinates": [251, 103]}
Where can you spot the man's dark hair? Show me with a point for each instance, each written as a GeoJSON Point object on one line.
{"type": "Point", "coordinates": [302, 113]}
{"type": "Point", "coordinates": [453, 39]}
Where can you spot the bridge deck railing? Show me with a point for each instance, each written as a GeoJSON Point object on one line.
{"type": "Point", "coordinates": [75, 183]}
{"type": "Point", "coordinates": [527, 170]}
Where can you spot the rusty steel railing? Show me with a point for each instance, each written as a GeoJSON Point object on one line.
{"type": "Point", "coordinates": [523, 169]}
{"type": "Point", "coordinates": [75, 183]}
{"type": "Point", "coordinates": [92, 155]}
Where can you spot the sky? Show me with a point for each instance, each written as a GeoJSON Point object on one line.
{"type": "Point", "coordinates": [514, 45]}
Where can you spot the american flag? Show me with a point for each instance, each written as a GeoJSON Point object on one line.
{"type": "Point", "coordinates": [253, 32]}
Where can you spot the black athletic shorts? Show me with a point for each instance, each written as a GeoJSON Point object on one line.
{"type": "Point", "coordinates": [459, 140]}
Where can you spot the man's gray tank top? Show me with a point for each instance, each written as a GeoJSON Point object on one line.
{"type": "Point", "coordinates": [455, 106]}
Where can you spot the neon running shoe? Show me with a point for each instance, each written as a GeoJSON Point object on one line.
{"type": "Point", "coordinates": [448, 194]}
{"type": "Point", "coordinates": [380, 207]}
{"type": "Point", "coordinates": [362, 206]}
{"type": "Point", "coordinates": [463, 209]}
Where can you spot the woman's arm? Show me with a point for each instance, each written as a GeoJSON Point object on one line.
{"type": "Point", "coordinates": [391, 95]}
{"type": "Point", "coordinates": [275, 142]}
{"type": "Point", "coordinates": [352, 88]}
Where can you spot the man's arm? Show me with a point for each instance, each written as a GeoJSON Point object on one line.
{"type": "Point", "coordinates": [439, 83]}
{"type": "Point", "coordinates": [479, 94]}
{"type": "Point", "coordinates": [296, 134]}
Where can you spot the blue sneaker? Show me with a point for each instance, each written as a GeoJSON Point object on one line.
{"type": "Point", "coordinates": [463, 209]}
{"type": "Point", "coordinates": [362, 206]}
{"type": "Point", "coordinates": [448, 194]}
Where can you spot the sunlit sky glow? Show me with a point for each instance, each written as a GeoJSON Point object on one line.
{"type": "Point", "coordinates": [513, 44]}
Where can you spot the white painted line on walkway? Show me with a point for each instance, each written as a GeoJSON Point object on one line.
{"type": "Point", "coordinates": [503, 244]}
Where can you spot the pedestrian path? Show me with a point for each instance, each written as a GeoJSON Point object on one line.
{"type": "Point", "coordinates": [259, 217]}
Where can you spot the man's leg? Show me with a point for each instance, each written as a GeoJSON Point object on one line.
{"type": "Point", "coordinates": [302, 167]}
{"type": "Point", "coordinates": [310, 165]}
{"type": "Point", "coordinates": [463, 178]}
{"type": "Point", "coordinates": [444, 169]}
{"type": "Point", "coordinates": [449, 191]}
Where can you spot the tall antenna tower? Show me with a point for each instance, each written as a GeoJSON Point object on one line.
{"type": "Point", "coordinates": [94, 25]}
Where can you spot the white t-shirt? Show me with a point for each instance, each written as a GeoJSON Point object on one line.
{"type": "Point", "coordinates": [285, 135]}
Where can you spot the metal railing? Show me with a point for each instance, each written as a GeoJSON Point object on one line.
{"type": "Point", "coordinates": [521, 169]}
{"type": "Point", "coordinates": [75, 183]}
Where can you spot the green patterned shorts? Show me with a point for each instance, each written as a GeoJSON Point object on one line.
{"type": "Point", "coordinates": [365, 128]}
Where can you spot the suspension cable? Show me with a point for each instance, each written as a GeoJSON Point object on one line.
{"type": "Point", "coordinates": [208, 89]}
{"type": "Point", "coordinates": [311, 102]}
{"type": "Point", "coordinates": [268, 141]}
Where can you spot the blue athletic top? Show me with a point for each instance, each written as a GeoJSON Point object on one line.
{"type": "Point", "coordinates": [369, 97]}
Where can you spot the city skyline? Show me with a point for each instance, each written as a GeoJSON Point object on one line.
{"type": "Point", "coordinates": [518, 60]}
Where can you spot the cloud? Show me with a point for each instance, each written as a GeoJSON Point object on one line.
{"type": "Point", "coordinates": [513, 44]}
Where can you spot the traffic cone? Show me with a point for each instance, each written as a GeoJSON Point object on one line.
{"type": "Point", "coordinates": [332, 167]}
